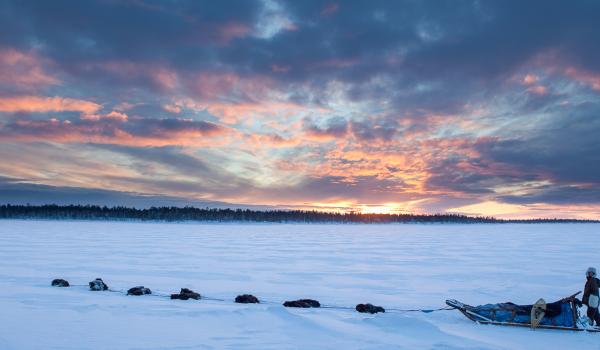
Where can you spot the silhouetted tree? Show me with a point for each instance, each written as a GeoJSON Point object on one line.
{"type": "Point", "coordinates": [91, 212]}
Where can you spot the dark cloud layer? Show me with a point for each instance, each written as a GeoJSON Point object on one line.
{"type": "Point", "coordinates": [564, 149]}
{"type": "Point", "coordinates": [15, 191]}
{"type": "Point", "coordinates": [451, 49]}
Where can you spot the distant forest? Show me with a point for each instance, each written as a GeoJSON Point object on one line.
{"type": "Point", "coordinates": [172, 214]}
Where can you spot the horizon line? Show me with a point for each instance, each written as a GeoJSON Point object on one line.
{"type": "Point", "coordinates": [7, 207]}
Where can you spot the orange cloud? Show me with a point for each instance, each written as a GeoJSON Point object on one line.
{"type": "Point", "coordinates": [38, 104]}
{"type": "Point", "coordinates": [403, 163]}
{"type": "Point", "coordinates": [409, 163]}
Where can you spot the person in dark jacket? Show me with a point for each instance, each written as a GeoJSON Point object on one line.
{"type": "Point", "coordinates": [590, 296]}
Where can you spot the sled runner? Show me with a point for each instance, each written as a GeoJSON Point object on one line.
{"type": "Point", "coordinates": [561, 315]}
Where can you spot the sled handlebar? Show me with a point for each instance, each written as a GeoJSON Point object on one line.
{"type": "Point", "coordinates": [572, 296]}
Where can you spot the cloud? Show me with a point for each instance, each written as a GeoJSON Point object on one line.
{"type": "Point", "coordinates": [18, 191]}
{"type": "Point", "coordinates": [163, 26]}
{"type": "Point", "coordinates": [538, 90]}
{"type": "Point", "coordinates": [530, 79]}
{"type": "Point", "coordinates": [114, 128]}
{"type": "Point", "coordinates": [172, 108]}
{"type": "Point", "coordinates": [178, 171]}
{"type": "Point", "coordinates": [335, 128]}
{"type": "Point", "coordinates": [120, 116]}
{"type": "Point", "coordinates": [154, 76]}
{"type": "Point", "coordinates": [40, 104]}
{"type": "Point", "coordinates": [340, 191]}
{"type": "Point", "coordinates": [23, 69]}
{"type": "Point", "coordinates": [544, 151]}
{"type": "Point", "coordinates": [586, 77]}
{"type": "Point", "coordinates": [269, 140]}
{"type": "Point", "coordinates": [239, 112]}
{"type": "Point", "coordinates": [560, 195]}
{"type": "Point", "coordinates": [533, 167]}
{"type": "Point", "coordinates": [370, 129]}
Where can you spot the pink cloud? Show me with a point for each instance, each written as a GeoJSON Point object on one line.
{"type": "Point", "coordinates": [530, 79]}
{"type": "Point", "coordinates": [124, 106]}
{"type": "Point", "coordinates": [588, 78]}
{"type": "Point", "coordinates": [114, 129]}
{"type": "Point", "coordinates": [114, 115]}
{"type": "Point", "coordinates": [232, 113]}
{"type": "Point", "coordinates": [171, 108]}
{"type": "Point", "coordinates": [233, 98]}
{"type": "Point", "coordinates": [538, 90]}
{"type": "Point", "coordinates": [227, 86]}
{"type": "Point", "coordinates": [23, 69]}
{"type": "Point", "coordinates": [165, 78]}
{"type": "Point", "coordinates": [35, 104]}
{"type": "Point", "coordinates": [534, 87]}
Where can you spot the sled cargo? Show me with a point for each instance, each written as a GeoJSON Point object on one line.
{"type": "Point", "coordinates": [559, 315]}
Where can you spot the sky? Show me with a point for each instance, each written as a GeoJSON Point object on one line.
{"type": "Point", "coordinates": [475, 107]}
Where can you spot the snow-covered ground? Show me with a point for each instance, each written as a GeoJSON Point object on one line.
{"type": "Point", "coordinates": [396, 266]}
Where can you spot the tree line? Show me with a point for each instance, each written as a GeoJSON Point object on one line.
{"type": "Point", "coordinates": [171, 214]}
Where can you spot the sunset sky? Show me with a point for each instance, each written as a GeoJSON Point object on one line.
{"type": "Point", "coordinates": [475, 107]}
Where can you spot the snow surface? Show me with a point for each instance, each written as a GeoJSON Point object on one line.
{"type": "Point", "coordinates": [396, 266]}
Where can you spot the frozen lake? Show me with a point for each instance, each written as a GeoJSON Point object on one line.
{"type": "Point", "coordinates": [395, 266]}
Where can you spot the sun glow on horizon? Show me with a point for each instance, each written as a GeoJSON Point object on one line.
{"type": "Point", "coordinates": [385, 208]}
{"type": "Point", "coordinates": [349, 207]}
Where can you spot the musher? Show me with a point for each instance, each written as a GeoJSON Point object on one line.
{"type": "Point", "coordinates": [590, 295]}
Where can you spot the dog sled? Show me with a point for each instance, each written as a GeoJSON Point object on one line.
{"type": "Point", "coordinates": [559, 315]}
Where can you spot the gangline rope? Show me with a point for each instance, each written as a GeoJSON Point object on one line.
{"type": "Point", "coordinates": [270, 302]}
